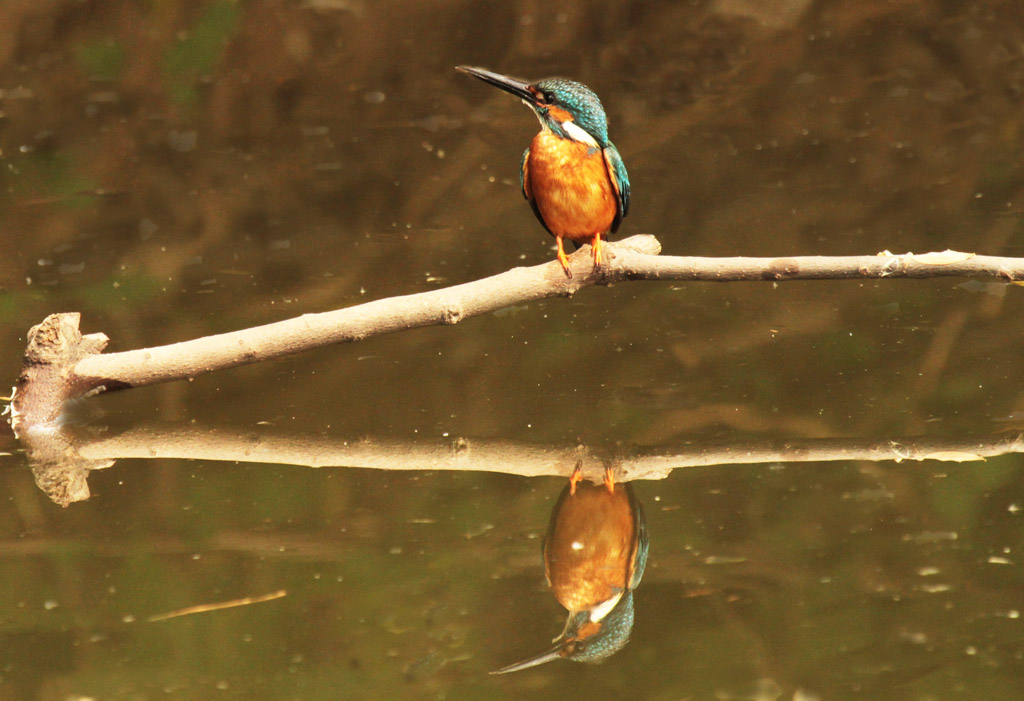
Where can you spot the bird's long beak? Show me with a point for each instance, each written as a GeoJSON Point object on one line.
{"type": "Point", "coordinates": [519, 88]}
{"type": "Point", "coordinates": [540, 659]}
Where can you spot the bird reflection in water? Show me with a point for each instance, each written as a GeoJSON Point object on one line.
{"type": "Point", "coordinates": [594, 557]}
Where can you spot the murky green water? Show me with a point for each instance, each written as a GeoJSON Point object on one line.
{"type": "Point", "coordinates": [177, 169]}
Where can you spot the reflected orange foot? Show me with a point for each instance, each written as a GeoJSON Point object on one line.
{"type": "Point", "coordinates": [575, 477]}
{"type": "Point", "coordinates": [609, 480]}
{"type": "Point", "coordinates": [562, 258]}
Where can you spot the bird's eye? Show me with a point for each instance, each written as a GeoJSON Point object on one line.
{"type": "Point", "coordinates": [548, 96]}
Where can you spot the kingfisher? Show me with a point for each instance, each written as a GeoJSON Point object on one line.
{"type": "Point", "coordinates": [572, 175]}
{"type": "Point", "coordinates": [594, 554]}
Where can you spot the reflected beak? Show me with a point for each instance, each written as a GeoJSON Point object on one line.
{"type": "Point", "coordinates": [519, 88]}
{"type": "Point", "coordinates": [552, 654]}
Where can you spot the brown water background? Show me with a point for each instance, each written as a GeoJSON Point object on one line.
{"type": "Point", "coordinates": [172, 169]}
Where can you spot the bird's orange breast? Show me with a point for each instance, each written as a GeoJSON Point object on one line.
{"type": "Point", "coordinates": [568, 182]}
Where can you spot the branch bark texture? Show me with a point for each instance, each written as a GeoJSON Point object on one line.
{"type": "Point", "coordinates": [62, 364]}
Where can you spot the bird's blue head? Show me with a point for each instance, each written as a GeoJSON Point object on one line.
{"type": "Point", "coordinates": [559, 97]}
{"type": "Point", "coordinates": [586, 640]}
{"type": "Point", "coordinates": [570, 109]}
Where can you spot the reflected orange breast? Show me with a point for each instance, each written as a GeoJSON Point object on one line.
{"type": "Point", "coordinates": [587, 558]}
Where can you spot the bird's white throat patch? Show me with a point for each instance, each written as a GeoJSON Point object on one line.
{"type": "Point", "coordinates": [578, 133]}
{"type": "Point", "coordinates": [598, 613]}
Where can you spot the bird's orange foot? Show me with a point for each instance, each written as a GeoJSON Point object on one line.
{"type": "Point", "coordinates": [609, 480]}
{"type": "Point", "coordinates": [575, 477]}
{"type": "Point", "coordinates": [562, 258]}
{"type": "Point", "coordinates": [598, 249]}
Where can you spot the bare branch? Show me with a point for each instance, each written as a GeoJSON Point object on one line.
{"type": "Point", "coordinates": [61, 364]}
{"type": "Point", "coordinates": [883, 265]}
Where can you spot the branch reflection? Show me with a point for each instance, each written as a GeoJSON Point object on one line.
{"type": "Point", "coordinates": [62, 458]}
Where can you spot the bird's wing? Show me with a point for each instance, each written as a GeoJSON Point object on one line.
{"type": "Point", "coordinates": [620, 181]}
{"type": "Point", "coordinates": [524, 183]}
{"type": "Point", "coordinates": [638, 562]}
{"type": "Point", "coordinates": [524, 176]}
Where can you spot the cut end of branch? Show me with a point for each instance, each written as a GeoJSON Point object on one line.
{"type": "Point", "coordinates": [47, 378]}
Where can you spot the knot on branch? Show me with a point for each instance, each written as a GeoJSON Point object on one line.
{"type": "Point", "coordinates": [782, 268]}
{"type": "Point", "coordinates": [452, 313]}
{"type": "Point", "coordinates": [641, 243]}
